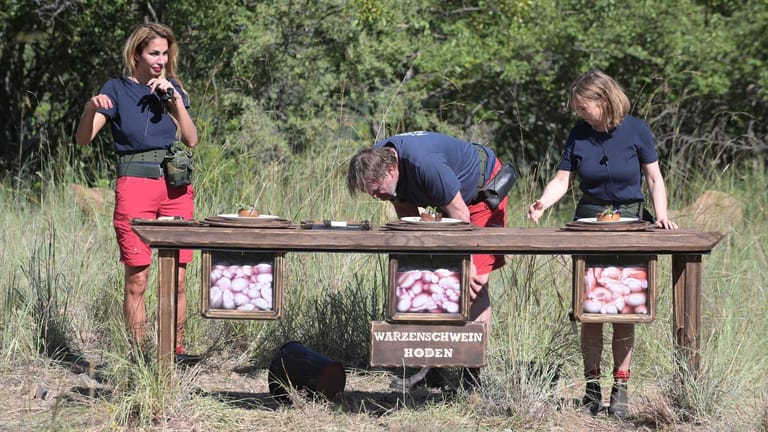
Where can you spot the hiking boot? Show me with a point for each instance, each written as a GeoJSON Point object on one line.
{"type": "Point", "coordinates": [186, 359]}
{"type": "Point", "coordinates": [593, 397]}
{"type": "Point", "coordinates": [618, 407]}
{"type": "Point", "coordinates": [182, 358]}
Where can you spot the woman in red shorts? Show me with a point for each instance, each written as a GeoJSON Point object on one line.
{"type": "Point", "coordinates": [147, 109]}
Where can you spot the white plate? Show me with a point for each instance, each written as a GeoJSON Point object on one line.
{"type": "Point", "coordinates": [235, 216]}
{"type": "Point", "coordinates": [417, 220]}
{"type": "Point", "coordinates": [595, 221]}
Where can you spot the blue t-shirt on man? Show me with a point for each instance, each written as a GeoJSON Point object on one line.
{"type": "Point", "coordinates": [434, 167]}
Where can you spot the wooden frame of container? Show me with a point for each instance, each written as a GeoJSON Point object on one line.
{"type": "Point", "coordinates": [580, 265]}
{"type": "Point", "coordinates": [243, 257]}
{"type": "Point", "coordinates": [428, 262]}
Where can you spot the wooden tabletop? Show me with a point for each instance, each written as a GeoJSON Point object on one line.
{"type": "Point", "coordinates": [486, 240]}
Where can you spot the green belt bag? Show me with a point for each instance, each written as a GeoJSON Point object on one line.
{"type": "Point", "coordinates": [178, 165]}
{"type": "Point", "coordinates": [145, 164]}
{"type": "Point", "coordinates": [138, 169]}
{"type": "Point", "coordinates": [175, 164]}
{"type": "Point", "coordinates": [145, 156]}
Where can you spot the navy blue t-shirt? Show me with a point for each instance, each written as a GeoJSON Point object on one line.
{"type": "Point", "coordinates": [138, 121]}
{"type": "Point", "coordinates": [608, 164]}
{"type": "Point", "coordinates": [434, 167]}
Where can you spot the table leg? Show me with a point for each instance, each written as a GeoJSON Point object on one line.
{"type": "Point", "coordinates": [686, 280]}
{"type": "Point", "coordinates": [167, 283]}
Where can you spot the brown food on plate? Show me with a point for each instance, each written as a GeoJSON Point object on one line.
{"type": "Point", "coordinates": [608, 215]}
{"type": "Point", "coordinates": [244, 212]}
{"type": "Point", "coordinates": [429, 217]}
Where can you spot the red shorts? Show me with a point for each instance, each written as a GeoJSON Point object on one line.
{"type": "Point", "coordinates": [146, 198]}
{"type": "Point", "coordinates": [482, 215]}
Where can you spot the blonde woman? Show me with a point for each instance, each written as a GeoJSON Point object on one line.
{"type": "Point", "coordinates": [147, 112]}
{"type": "Point", "coordinates": [610, 152]}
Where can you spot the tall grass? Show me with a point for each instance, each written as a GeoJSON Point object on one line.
{"type": "Point", "coordinates": [61, 291]}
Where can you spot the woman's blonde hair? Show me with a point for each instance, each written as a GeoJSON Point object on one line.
{"type": "Point", "coordinates": [595, 85]}
{"type": "Point", "coordinates": [141, 36]}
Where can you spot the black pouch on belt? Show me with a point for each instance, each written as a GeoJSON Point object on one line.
{"type": "Point", "coordinates": [178, 166]}
{"type": "Point", "coordinates": [499, 186]}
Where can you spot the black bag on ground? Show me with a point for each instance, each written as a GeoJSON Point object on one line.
{"type": "Point", "coordinates": [178, 166]}
{"type": "Point", "coordinates": [499, 186]}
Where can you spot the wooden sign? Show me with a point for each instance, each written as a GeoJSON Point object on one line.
{"type": "Point", "coordinates": [396, 345]}
{"type": "Point", "coordinates": [614, 288]}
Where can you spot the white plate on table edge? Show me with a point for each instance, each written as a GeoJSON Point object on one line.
{"type": "Point", "coordinates": [417, 220]}
{"type": "Point", "coordinates": [236, 216]}
{"type": "Point", "coordinates": [595, 221]}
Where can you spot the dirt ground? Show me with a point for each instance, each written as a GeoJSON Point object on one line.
{"type": "Point", "coordinates": [68, 396]}
{"type": "Point", "coordinates": [77, 396]}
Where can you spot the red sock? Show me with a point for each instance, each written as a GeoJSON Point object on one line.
{"type": "Point", "coordinates": [621, 375]}
{"type": "Point", "coordinates": [179, 350]}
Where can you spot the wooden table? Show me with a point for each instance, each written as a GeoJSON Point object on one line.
{"type": "Point", "coordinates": [685, 246]}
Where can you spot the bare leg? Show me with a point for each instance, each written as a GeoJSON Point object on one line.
{"type": "Point", "coordinates": [480, 311]}
{"type": "Point", "coordinates": [134, 311]}
{"type": "Point", "coordinates": [181, 305]}
{"type": "Point", "coordinates": [480, 306]}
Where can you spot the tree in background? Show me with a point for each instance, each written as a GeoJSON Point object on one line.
{"type": "Point", "coordinates": [286, 76]}
{"type": "Point", "coordinates": [54, 55]}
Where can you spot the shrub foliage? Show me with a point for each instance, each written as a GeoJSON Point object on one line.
{"type": "Point", "coordinates": [490, 71]}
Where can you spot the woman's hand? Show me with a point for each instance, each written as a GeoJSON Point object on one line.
{"type": "Point", "coordinates": [164, 87]}
{"type": "Point", "coordinates": [187, 128]}
{"type": "Point", "coordinates": [91, 121]}
{"type": "Point", "coordinates": [158, 83]}
{"type": "Point", "coordinates": [555, 189]}
{"type": "Point", "coordinates": [659, 194]}
{"type": "Point", "coordinates": [100, 101]}
{"type": "Point", "coordinates": [666, 224]}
